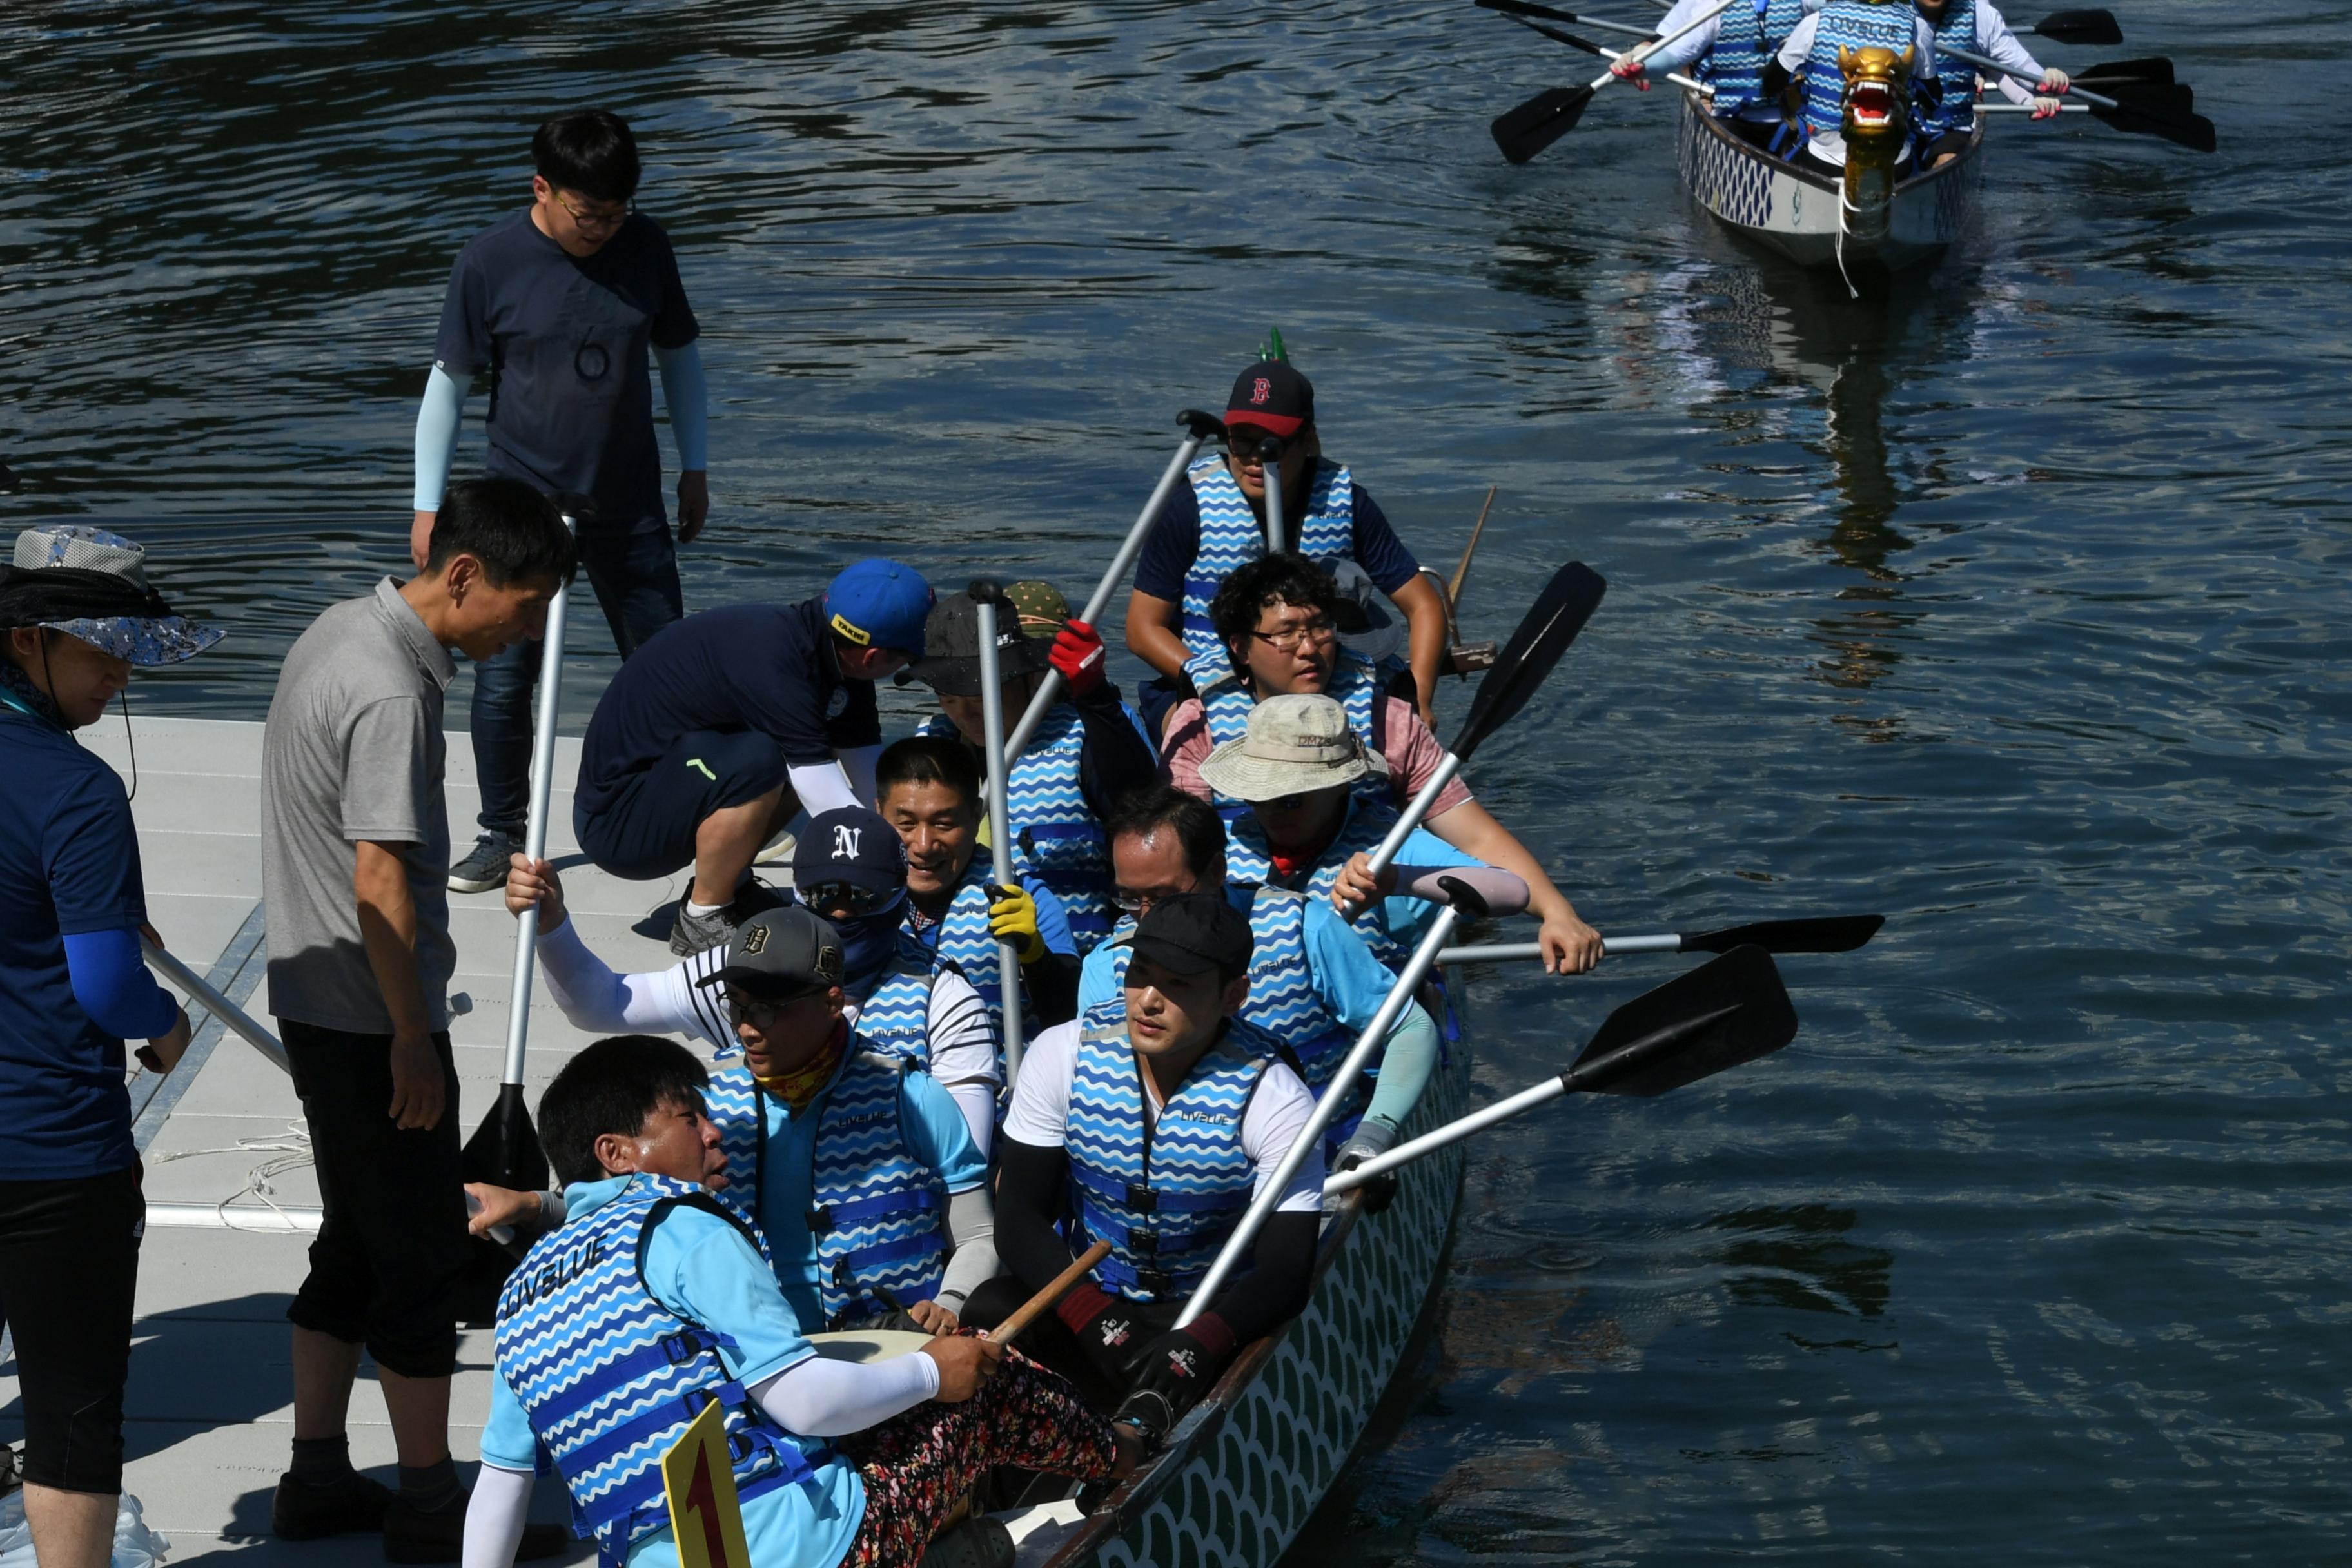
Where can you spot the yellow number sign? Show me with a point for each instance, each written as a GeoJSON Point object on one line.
{"type": "Point", "coordinates": [699, 1481]}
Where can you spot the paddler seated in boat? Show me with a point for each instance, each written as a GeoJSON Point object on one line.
{"type": "Point", "coordinates": [1948, 116]}
{"type": "Point", "coordinates": [1157, 1117]}
{"type": "Point", "coordinates": [1217, 522]}
{"type": "Point", "coordinates": [1811, 58]}
{"type": "Point", "coordinates": [725, 725]}
{"type": "Point", "coordinates": [858, 1164]}
{"type": "Point", "coordinates": [849, 867]}
{"type": "Point", "coordinates": [1276, 624]}
{"type": "Point", "coordinates": [1731, 50]}
{"type": "Point", "coordinates": [654, 1300]}
{"type": "Point", "coordinates": [1087, 751]}
{"type": "Point", "coordinates": [1314, 984]}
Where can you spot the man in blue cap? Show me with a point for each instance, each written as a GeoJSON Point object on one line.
{"type": "Point", "coordinates": [727, 723]}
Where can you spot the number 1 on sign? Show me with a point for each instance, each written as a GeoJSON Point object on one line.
{"type": "Point", "coordinates": [699, 1479]}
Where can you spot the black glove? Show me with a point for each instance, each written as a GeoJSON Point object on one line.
{"type": "Point", "coordinates": [1106, 1330]}
{"type": "Point", "coordinates": [1182, 1364]}
{"type": "Point", "coordinates": [1370, 1138]}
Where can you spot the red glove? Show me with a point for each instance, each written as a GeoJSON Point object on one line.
{"type": "Point", "coordinates": [1078, 656]}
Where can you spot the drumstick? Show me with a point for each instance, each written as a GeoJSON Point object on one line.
{"type": "Point", "coordinates": [1029, 1311]}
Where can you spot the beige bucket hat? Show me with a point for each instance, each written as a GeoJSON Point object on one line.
{"type": "Point", "coordinates": [1294, 745]}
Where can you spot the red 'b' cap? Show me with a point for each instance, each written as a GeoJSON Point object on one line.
{"type": "Point", "coordinates": [1272, 396]}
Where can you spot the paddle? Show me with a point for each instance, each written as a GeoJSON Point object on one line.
{"type": "Point", "coordinates": [1515, 8]}
{"type": "Point", "coordinates": [1528, 129]}
{"type": "Point", "coordinates": [2168, 98]}
{"type": "Point", "coordinates": [2142, 113]}
{"type": "Point", "coordinates": [2153, 69]}
{"type": "Point", "coordinates": [233, 1018]}
{"type": "Point", "coordinates": [1822, 933]}
{"type": "Point", "coordinates": [1036, 1306]}
{"type": "Point", "coordinates": [1269, 457]}
{"type": "Point", "coordinates": [986, 596]}
{"type": "Point", "coordinates": [1466, 904]}
{"type": "Point", "coordinates": [2099, 27]}
{"type": "Point", "coordinates": [1199, 428]}
{"type": "Point", "coordinates": [1718, 1016]}
{"type": "Point", "coordinates": [1590, 48]}
{"type": "Point", "coordinates": [1461, 572]}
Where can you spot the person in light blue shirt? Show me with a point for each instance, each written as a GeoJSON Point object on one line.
{"type": "Point", "coordinates": [655, 1300]}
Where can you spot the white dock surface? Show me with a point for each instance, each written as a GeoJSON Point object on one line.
{"type": "Point", "coordinates": [209, 1408]}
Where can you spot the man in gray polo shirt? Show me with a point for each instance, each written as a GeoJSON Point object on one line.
{"type": "Point", "coordinates": [354, 843]}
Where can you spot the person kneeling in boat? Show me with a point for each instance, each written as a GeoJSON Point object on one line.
{"type": "Point", "coordinates": [1948, 121]}
{"type": "Point", "coordinates": [1085, 753]}
{"type": "Point", "coordinates": [1158, 1116]}
{"type": "Point", "coordinates": [1276, 622]}
{"type": "Point", "coordinates": [1811, 56]}
{"type": "Point", "coordinates": [1733, 49]}
{"type": "Point", "coordinates": [654, 1300]}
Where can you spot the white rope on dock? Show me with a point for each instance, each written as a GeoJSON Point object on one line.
{"type": "Point", "coordinates": [292, 1151]}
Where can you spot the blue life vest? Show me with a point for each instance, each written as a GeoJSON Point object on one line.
{"type": "Point", "coordinates": [1746, 37]}
{"type": "Point", "coordinates": [1226, 701]}
{"type": "Point", "coordinates": [1232, 537]}
{"type": "Point", "coordinates": [1059, 839]}
{"type": "Point", "coordinates": [1247, 861]}
{"type": "Point", "coordinates": [1165, 1197]}
{"type": "Point", "coordinates": [1852, 25]}
{"type": "Point", "coordinates": [1954, 107]}
{"type": "Point", "coordinates": [896, 1015]}
{"type": "Point", "coordinates": [610, 1378]}
{"type": "Point", "coordinates": [960, 937]}
{"type": "Point", "coordinates": [878, 1214]}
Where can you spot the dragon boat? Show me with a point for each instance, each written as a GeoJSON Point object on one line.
{"type": "Point", "coordinates": [1869, 222]}
{"type": "Point", "coordinates": [1240, 1476]}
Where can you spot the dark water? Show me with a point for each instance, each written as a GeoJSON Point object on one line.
{"type": "Point", "coordinates": [2012, 607]}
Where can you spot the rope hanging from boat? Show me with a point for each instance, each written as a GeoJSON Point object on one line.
{"type": "Point", "coordinates": [1844, 206]}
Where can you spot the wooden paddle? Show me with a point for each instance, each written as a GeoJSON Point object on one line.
{"type": "Point", "coordinates": [1036, 1306]}
{"type": "Point", "coordinates": [1462, 571]}
{"type": "Point", "coordinates": [1824, 933]}
{"type": "Point", "coordinates": [1722, 1014]}
{"type": "Point", "coordinates": [1522, 132]}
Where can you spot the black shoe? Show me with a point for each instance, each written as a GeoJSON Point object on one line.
{"type": "Point", "coordinates": [486, 865]}
{"type": "Point", "coordinates": [301, 1511]}
{"type": "Point", "coordinates": [413, 1534]}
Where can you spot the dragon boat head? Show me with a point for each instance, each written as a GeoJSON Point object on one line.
{"type": "Point", "coordinates": [1876, 113]}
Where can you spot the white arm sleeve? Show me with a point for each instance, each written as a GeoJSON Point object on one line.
{"type": "Point", "coordinates": [1277, 1113]}
{"type": "Point", "coordinates": [971, 1231]}
{"type": "Point", "coordinates": [1683, 50]}
{"type": "Point", "coordinates": [822, 787]}
{"type": "Point", "coordinates": [661, 1002]}
{"type": "Point", "coordinates": [858, 762]}
{"type": "Point", "coordinates": [494, 1519]}
{"type": "Point", "coordinates": [821, 1398]}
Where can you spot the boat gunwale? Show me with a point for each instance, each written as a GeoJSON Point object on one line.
{"type": "Point", "coordinates": [1694, 105]}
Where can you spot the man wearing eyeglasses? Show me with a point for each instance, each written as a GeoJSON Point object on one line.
{"type": "Point", "coordinates": [1216, 524]}
{"type": "Point", "coordinates": [561, 302]}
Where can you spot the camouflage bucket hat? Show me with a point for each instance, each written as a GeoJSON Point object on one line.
{"type": "Point", "coordinates": [92, 585]}
{"type": "Point", "coordinates": [1041, 607]}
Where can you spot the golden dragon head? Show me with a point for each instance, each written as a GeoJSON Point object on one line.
{"type": "Point", "coordinates": [1877, 101]}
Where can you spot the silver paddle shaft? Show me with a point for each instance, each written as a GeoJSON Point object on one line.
{"type": "Point", "coordinates": [1505, 952]}
{"type": "Point", "coordinates": [1049, 691]}
{"type": "Point", "coordinates": [1987, 63]}
{"type": "Point", "coordinates": [999, 826]}
{"type": "Point", "coordinates": [534, 844]}
{"type": "Point", "coordinates": [1326, 1110]}
{"type": "Point", "coordinates": [1644, 51]}
{"type": "Point", "coordinates": [1452, 1132]}
{"type": "Point", "coordinates": [1385, 855]}
{"type": "Point", "coordinates": [233, 1018]}
{"type": "Point", "coordinates": [1277, 536]}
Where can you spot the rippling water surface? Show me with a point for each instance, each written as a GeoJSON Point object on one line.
{"type": "Point", "coordinates": [2013, 605]}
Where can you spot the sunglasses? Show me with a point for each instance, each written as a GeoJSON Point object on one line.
{"type": "Point", "coordinates": [854, 897]}
{"type": "Point", "coordinates": [1249, 445]}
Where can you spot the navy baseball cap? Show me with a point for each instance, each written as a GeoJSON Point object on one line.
{"type": "Point", "coordinates": [1273, 396]}
{"type": "Point", "coordinates": [879, 603]}
{"type": "Point", "coordinates": [1195, 932]}
{"type": "Point", "coordinates": [850, 844]}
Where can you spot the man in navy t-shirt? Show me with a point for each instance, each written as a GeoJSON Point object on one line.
{"type": "Point", "coordinates": [729, 723]}
{"type": "Point", "coordinates": [561, 303]}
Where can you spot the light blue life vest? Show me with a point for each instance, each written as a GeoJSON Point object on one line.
{"type": "Point", "coordinates": [1247, 861]}
{"type": "Point", "coordinates": [1164, 1195]}
{"type": "Point", "coordinates": [610, 1378]}
{"type": "Point", "coordinates": [1852, 25]}
{"type": "Point", "coordinates": [896, 1015]}
{"type": "Point", "coordinates": [1746, 38]}
{"type": "Point", "coordinates": [877, 1213]}
{"type": "Point", "coordinates": [1954, 107]}
{"type": "Point", "coordinates": [1232, 537]}
{"type": "Point", "coordinates": [1226, 701]}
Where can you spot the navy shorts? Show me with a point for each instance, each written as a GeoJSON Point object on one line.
{"type": "Point", "coordinates": [646, 829]}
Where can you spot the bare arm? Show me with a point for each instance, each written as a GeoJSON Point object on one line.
{"type": "Point", "coordinates": [388, 929]}
{"type": "Point", "coordinates": [1151, 633]}
{"type": "Point", "coordinates": [1425, 617]}
{"type": "Point", "coordinates": [1570, 946]}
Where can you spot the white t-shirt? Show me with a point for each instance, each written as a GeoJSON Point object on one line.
{"type": "Point", "coordinates": [1277, 1114]}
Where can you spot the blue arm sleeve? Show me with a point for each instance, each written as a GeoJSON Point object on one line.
{"type": "Point", "coordinates": [112, 983]}
{"type": "Point", "coordinates": [687, 397]}
{"type": "Point", "coordinates": [436, 435]}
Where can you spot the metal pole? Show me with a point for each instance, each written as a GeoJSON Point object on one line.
{"type": "Point", "coordinates": [1385, 856]}
{"type": "Point", "coordinates": [232, 1016]}
{"type": "Point", "coordinates": [542, 782]}
{"type": "Point", "coordinates": [1452, 1131]}
{"type": "Point", "coordinates": [1277, 537]}
{"type": "Point", "coordinates": [1505, 951]}
{"type": "Point", "coordinates": [985, 596]}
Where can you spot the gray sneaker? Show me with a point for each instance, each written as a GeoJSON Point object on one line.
{"type": "Point", "coordinates": [485, 865]}
{"type": "Point", "coordinates": [690, 935]}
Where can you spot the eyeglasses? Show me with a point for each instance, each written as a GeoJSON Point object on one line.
{"type": "Point", "coordinates": [1139, 904]}
{"type": "Point", "coordinates": [854, 897]}
{"type": "Point", "coordinates": [1316, 632]}
{"type": "Point", "coordinates": [1247, 443]}
{"type": "Point", "coordinates": [596, 220]}
{"type": "Point", "coordinates": [760, 1011]}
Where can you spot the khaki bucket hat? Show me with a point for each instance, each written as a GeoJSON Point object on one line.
{"type": "Point", "coordinates": [1294, 745]}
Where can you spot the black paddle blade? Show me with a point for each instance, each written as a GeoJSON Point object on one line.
{"type": "Point", "coordinates": [2097, 27]}
{"type": "Point", "coordinates": [1828, 934]}
{"type": "Point", "coordinates": [2156, 68]}
{"type": "Point", "coordinates": [504, 1149]}
{"type": "Point", "coordinates": [1527, 9]}
{"type": "Point", "coordinates": [2153, 111]}
{"type": "Point", "coordinates": [1551, 623]}
{"type": "Point", "coordinates": [1524, 132]}
{"type": "Point", "coordinates": [1729, 1011]}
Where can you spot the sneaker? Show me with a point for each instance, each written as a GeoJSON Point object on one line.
{"type": "Point", "coordinates": [413, 1534]}
{"type": "Point", "coordinates": [485, 865]}
{"type": "Point", "coordinates": [690, 935]}
{"type": "Point", "coordinates": [974, 1543]}
{"type": "Point", "coordinates": [301, 1511]}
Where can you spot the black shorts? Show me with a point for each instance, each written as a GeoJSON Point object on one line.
{"type": "Point", "coordinates": [68, 1271]}
{"type": "Point", "coordinates": [392, 1244]}
{"type": "Point", "coordinates": [645, 830]}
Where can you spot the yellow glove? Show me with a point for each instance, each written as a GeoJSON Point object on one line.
{"type": "Point", "coordinates": [1013, 917]}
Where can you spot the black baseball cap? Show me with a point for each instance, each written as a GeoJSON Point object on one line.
{"type": "Point", "coordinates": [850, 844]}
{"type": "Point", "coordinates": [1195, 932]}
{"type": "Point", "coordinates": [781, 955]}
{"type": "Point", "coordinates": [951, 664]}
{"type": "Point", "coordinates": [1273, 396]}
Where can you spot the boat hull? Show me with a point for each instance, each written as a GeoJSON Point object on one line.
{"type": "Point", "coordinates": [1795, 212]}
